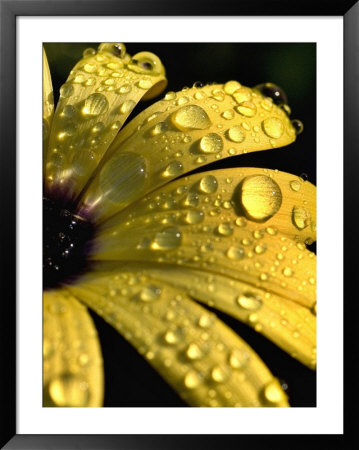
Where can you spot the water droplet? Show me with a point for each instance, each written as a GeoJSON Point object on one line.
{"type": "Point", "coordinates": [208, 184]}
{"type": "Point", "coordinates": [298, 126]}
{"type": "Point", "coordinates": [235, 134]}
{"type": "Point", "coordinates": [295, 185]}
{"type": "Point", "coordinates": [238, 359]}
{"type": "Point", "coordinates": [123, 178]}
{"type": "Point", "coordinates": [247, 109]}
{"type": "Point", "coordinates": [273, 393]}
{"type": "Point", "coordinates": [260, 249]}
{"type": "Point", "coordinates": [231, 86]}
{"type": "Point", "coordinates": [249, 301]}
{"type": "Point", "coordinates": [206, 321]}
{"type": "Point", "coordinates": [127, 106]}
{"type": "Point", "coordinates": [228, 114]}
{"type": "Point", "coordinates": [68, 390]}
{"type": "Point", "coordinates": [173, 169]}
{"type": "Point", "coordinates": [287, 272]}
{"type": "Point", "coordinates": [211, 143]}
{"type": "Point", "coordinates": [125, 89]}
{"type": "Point", "coordinates": [193, 351]}
{"type": "Point", "coordinates": [88, 52]}
{"type": "Point", "coordinates": [260, 197]}
{"type": "Point", "coordinates": [241, 222]}
{"type": "Point", "coordinates": [66, 90]}
{"type": "Point", "coordinates": [273, 127]}
{"type": "Point", "coordinates": [89, 68]}
{"type": "Point", "coordinates": [192, 379]}
{"type": "Point", "coordinates": [171, 337]}
{"type": "Point", "coordinates": [194, 217]}
{"type": "Point", "coordinates": [191, 117]}
{"type": "Point", "coordinates": [95, 104]}
{"type": "Point", "coordinates": [144, 84]}
{"type": "Point", "coordinates": [225, 229]}
{"type": "Point", "coordinates": [150, 293]}
{"type": "Point", "coordinates": [300, 217]}
{"type": "Point", "coordinates": [219, 374]}
{"type": "Point", "coordinates": [242, 94]}
{"type": "Point", "coordinates": [167, 239]}
{"type": "Point", "coordinates": [235, 252]}
{"type": "Point", "coordinates": [192, 199]}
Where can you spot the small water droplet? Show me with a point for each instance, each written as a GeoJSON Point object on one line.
{"type": "Point", "coordinates": [231, 86]}
{"type": "Point", "coordinates": [173, 169]}
{"type": "Point", "coordinates": [127, 106]}
{"type": "Point", "coordinates": [260, 249]}
{"type": "Point", "coordinates": [66, 90]}
{"type": "Point", "coordinates": [249, 301]}
{"type": "Point", "coordinates": [144, 84]}
{"type": "Point", "coordinates": [88, 52]}
{"type": "Point", "coordinates": [228, 114]}
{"type": "Point", "coordinates": [225, 229]}
{"type": "Point", "coordinates": [235, 252]}
{"type": "Point", "coordinates": [247, 109]}
{"type": "Point", "coordinates": [273, 393]}
{"type": "Point", "coordinates": [287, 272]}
{"type": "Point", "coordinates": [242, 94]}
{"type": "Point", "coordinates": [193, 351]}
{"type": "Point", "coordinates": [167, 239]}
{"type": "Point", "coordinates": [125, 89]}
{"type": "Point", "coordinates": [171, 337]}
{"type": "Point", "coordinates": [300, 217]}
{"type": "Point", "coordinates": [298, 126]}
{"type": "Point", "coordinates": [238, 359]}
{"type": "Point", "coordinates": [95, 104]}
{"type": "Point", "coordinates": [219, 374]}
{"type": "Point", "coordinates": [150, 293]}
{"type": "Point", "coordinates": [273, 127]}
{"type": "Point", "coordinates": [208, 184]}
{"type": "Point", "coordinates": [211, 143]}
{"type": "Point", "coordinates": [295, 185]}
{"type": "Point", "coordinates": [89, 68]}
{"type": "Point", "coordinates": [194, 217]}
{"type": "Point", "coordinates": [260, 197]}
{"type": "Point", "coordinates": [235, 134]}
{"type": "Point", "coordinates": [192, 379]}
{"type": "Point", "coordinates": [241, 222]}
{"type": "Point", "coordinates": [68, 390]}
{"type": "Point", "coordinates": [191, 117]}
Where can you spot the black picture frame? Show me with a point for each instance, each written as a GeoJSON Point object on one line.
{"type": "Point", "coordinates": [9, 11]}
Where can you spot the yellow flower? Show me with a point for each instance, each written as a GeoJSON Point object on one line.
{"type": "Point", "coordinates": [129, 235]}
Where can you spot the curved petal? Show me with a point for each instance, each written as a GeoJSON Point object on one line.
{"type": "Point", "coordinates": [47, 103]}
{"type": "Point", "coordinates": [198, 222]}
{"type": "Point", "coordinates": [101, 91]}
{"type": "Point", "coordinates": [200, 357]}
{"type": "Point", "coordinates": [180, 133]}
{"type": "Point", "coordinates": [72, 364]}
{"type": "Point", "coordinates": [289, 325]}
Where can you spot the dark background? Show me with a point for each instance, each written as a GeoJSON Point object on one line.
{"type": "Point", "coordinates": [129, 380]}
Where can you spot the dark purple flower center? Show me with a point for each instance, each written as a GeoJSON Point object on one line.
{"type": "Point", "coordinates": [67, 242]}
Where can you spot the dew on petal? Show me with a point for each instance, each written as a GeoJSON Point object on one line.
{"type": "Point", "coordinates": [208, 184]}
{"type": "Point", "coordinates": [211, 143]}
{"type": "Point", "coordinates": [300, 217]}
{"type": "Point", "coordinates": [260, 197]}
{"type": "Point", "coordinates": [192, 379]}
{"type": "Point", "coordinates": [235, 252]}
{"type": "Point", "coordinates": [235, 134]}
{"type": "Point", "coordinates": [273, 394]}
{"type": "Point", "coordinates": [174, 169]}
{"type": "Point", "coordinates": [68, 390]}
{"type": "Point", "coordinates": [238, 359]}
{"type": "Point", "coordinates": [273, 127]}
{"type": "Point", "coordinates": [249, 301]}
{"type": "Point", "coordinates": [150, 293]}
{"type": "Point", "coordinates": [167, 239]}
{"type": "Point", "coordinates": [194, 217]}
{"type": "Point", "coordinates": [95, 104]}
{"type": "Point", "coordinates": [247, 109]}
{"type": "Point", "coordinates": [191, 117]}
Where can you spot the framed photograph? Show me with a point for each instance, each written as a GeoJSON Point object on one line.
{"type": "Point", "coordinates": [182, 299]}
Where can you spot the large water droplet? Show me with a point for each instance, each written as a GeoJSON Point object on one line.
{"type": "Point", "coordinates": [260, 197]}
{"type": "Point", "coordinates": [167, 239]}
{"type": "Point", "coordinates": [68, 390]}
{"type": "Point", "coordinates": [208, 184]}
{"type": "Point", "coordinates": [191, 117]}
{"type": "Point", "coordinates": [211, 143]}
{"type": "Point", "coordinates": [249, 301]}
{"type": "Point", "coordinates": [95, 104]}
{"type": "Point", "coordinates": [123, 178]}
{"type": "Point", "coordinates": [273, 127]}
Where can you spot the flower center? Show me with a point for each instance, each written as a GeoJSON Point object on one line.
{"type": "Point", "coordinates": [67, 244]}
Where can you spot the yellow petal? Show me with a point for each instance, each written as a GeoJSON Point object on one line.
{"type": "Point", "coordinates": [184, 131]}
{"type": "Point", "coordinates": [198, 222]}
{"type": "Point", "coordinates": [100, 93]}
{"type": "Point", "coordinates": [200, 357]}
{"type": "Point", "coordinates": [47, 102]}
{"type": "Point", "coordinates": [289, 325]}
{"type": "Point", "coordinates": [72, 364]}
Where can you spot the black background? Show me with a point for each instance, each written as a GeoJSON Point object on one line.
{"type": "Point", "coordinates": [129, 380]}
